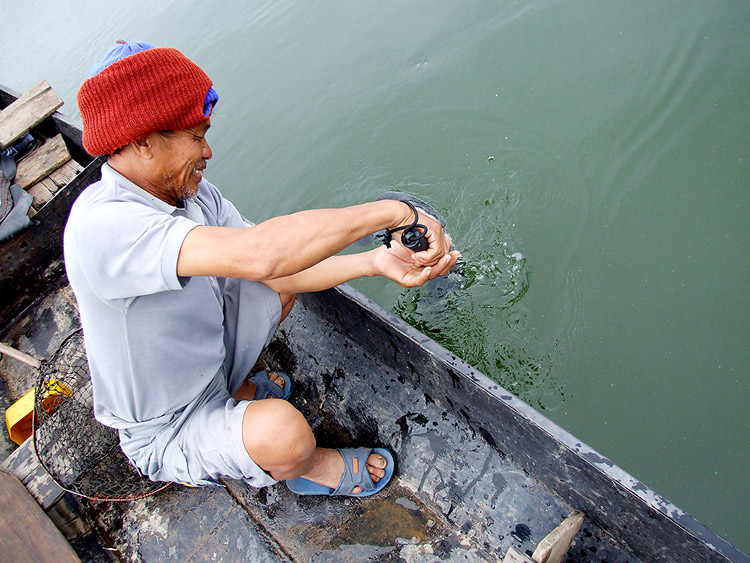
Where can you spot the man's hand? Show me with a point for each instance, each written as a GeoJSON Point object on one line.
{"type": "Point", "coordinates": [439, 242]}
{"type": "Point", "coordinates": [402, 266]}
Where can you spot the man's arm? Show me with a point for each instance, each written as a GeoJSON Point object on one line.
{"type": "Point", "coordinates": [394, 263]}
{"type": "Point", "coordinates": [286, 245]}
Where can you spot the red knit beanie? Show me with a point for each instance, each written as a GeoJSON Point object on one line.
{"type": "Point", "coordinates": [157, 89]}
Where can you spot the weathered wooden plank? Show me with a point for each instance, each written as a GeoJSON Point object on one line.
{"type": "Point", "coordinates": [26, 532]}
{"type": "Point", "coordinates": [44, 160]}
{"type": "Point", "coordinates": [554, 548]}
{"type": "Point", "coordinates": [66, 173]}
{"type": "Point", "coordinates": [49, 185]}
{"type": "Point", "coordinates": [26, 112]}
{"type": "Point", "coordinates": [71, 129]}
{"type": "Point", "coordinates": [43, 191]}
{"type": "Point", "coordinates": [24, 465]}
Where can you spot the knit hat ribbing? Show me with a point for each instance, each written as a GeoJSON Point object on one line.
{"type": "Point", "coordinates": [156, 89]}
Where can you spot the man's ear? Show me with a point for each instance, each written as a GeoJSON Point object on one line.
{"type": "Point", "coordinates": [144, 147]}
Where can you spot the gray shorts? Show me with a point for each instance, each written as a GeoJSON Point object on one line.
{"type": "Point", "coordinates": [203, 442]}
{"type": "Point", "coordinates": [200, 444]}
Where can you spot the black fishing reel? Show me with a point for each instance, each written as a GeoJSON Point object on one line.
{"type": "Point", "coordinates": [414, 239]}
{"type": "Point", "coordinates": [414, 236]}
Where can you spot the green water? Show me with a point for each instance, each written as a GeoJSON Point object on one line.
{"type": "Point", "coordinates": [591, 158]}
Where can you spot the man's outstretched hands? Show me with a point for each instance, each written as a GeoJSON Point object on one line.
{"type": "Point", "coordinates": [404, 267]}
{"type": "Point", "coordinates": [439, 242]}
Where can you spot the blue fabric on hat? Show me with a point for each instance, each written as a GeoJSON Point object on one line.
{"type": "Point", "coordinates": [125, 49]}
{"type": "Point", "coordinates": [211, 98]}
{"type": "Point", "coordinates": [116, 53]}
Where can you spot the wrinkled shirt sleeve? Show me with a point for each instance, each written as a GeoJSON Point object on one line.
{"type": "Point", "coordinates": [126, 249]}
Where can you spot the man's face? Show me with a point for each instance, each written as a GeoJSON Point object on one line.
{"type": "Point", "coordinates": [180, 159]}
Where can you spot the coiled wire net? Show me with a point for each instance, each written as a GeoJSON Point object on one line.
{"type": "Point", "coordinates": [80, 454]}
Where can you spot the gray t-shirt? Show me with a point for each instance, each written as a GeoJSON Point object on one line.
{"type": "Point", "coordinates": [154, 340]}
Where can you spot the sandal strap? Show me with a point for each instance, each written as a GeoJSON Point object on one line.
{"type": "Point", "coordinates": [355, 458]}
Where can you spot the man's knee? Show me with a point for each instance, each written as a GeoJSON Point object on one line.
{"type": "Point", "coordinates": [276, 435]}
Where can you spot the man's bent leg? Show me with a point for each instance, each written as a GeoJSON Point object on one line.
{"type": "Point", "coordinates": [278, 439]}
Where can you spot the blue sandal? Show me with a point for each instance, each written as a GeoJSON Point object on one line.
{"type": "Point", "coordinates": [355, 475]}
{"type": "Point", "coordinates": [267, 388]}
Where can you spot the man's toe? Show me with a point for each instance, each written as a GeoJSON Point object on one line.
{"type": "Point", "coordinates": [375, 465]}
{"type": "Point", "coordinates": [274, 377]}
{"type": "Point", "coordinates": [377, 460]}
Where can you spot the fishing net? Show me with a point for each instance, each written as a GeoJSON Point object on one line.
{"type": "Point", "coordinates": [81, 455]}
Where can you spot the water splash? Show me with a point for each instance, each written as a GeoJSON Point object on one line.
{"type": "Point", "coordinates": [459, 311]}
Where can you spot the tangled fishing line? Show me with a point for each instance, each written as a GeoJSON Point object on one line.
{"type": "Point", "coordinates": [80, 454]}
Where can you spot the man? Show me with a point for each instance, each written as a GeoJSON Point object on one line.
{"type": "Point", "coordinates": [178, 294]}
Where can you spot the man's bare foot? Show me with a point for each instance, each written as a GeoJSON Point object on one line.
{"type": "Point", "coordinates": [248, 389]}
{"type": "Point", "coordinates": [329, 468]}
